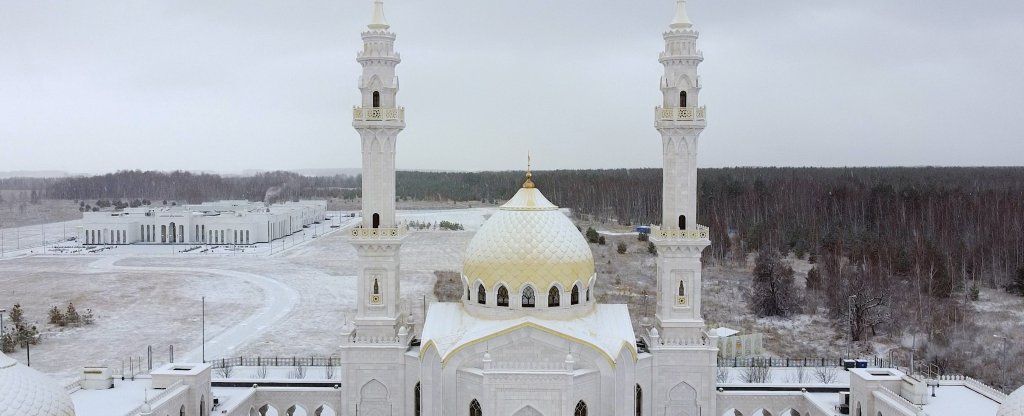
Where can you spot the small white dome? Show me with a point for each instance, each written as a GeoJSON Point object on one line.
{"type": "Point", "coordinates": [1014, 405]}
{"type": "Point", "coordinates": [27, 392]}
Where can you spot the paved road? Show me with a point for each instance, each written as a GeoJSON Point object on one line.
{"type": "Point", "coordinates": [279, 300]}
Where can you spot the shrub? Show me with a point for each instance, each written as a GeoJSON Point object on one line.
{"type": "Point", "coordinates": [621, 248]}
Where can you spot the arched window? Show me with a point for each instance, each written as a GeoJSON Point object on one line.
{"type": "Point", "coordinates": [376, 99]}
{"type": "Point", "coordinates": [502, 296]}
{"type": "Point", "coordinates": [682, 222]}
{"type": "Point", "coordinates": [554, 297]}
{"type": "Point", "coordinates": [416, 400]}
{"type": "Point", "coordinates": [474, 408]}
{"type": "Point", "coordinates": [529, 300]}
{"type": "Point", "coordinates": [588, 294]}
{"type": "Point", "coordinates": [682, 288]}
{"type": "Point", "coordinates": [376, 220]}
{"type": "Point", "coordinates": [581, 409]}
{"type": "Point", "coordinates": [467, 293]}
{"type": "Point", "coordinates": [638, 400]}
{"type": "Point", "coordinates": [202, 407]}
{"type": "Point", "coordinates": [481, 295]}
{"type": "Point", "coordinates": [182, 411]}
{"type": "Point", "coordinates": [376, 287]}
{"type": "Point", "coordinates": [682, 98]}
{"type": "Point", "coordinates": [574, 297]}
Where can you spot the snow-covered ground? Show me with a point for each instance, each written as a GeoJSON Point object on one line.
{"type": "Point", "coordinates": [285, 304]}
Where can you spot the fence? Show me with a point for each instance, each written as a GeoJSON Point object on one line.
{"type": "Point", "coordinates": [883, 362]}
{"type": "Point", "coordinates": [276, 362]}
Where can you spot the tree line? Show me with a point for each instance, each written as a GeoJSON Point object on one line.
{"type": "Point", "coordinates": [971, 220]}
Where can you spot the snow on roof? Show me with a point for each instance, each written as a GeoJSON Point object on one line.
{"type": "Point", "coordinates": [722, 332]}
{"type": "Point", "coordinates": [449, 328]}
{"type": "Point", "coordinates": [958, 401]}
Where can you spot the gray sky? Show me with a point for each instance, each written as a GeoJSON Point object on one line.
{"type": "Point", "coordinates": [95, 86]}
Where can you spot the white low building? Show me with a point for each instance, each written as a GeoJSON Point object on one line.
{"type": "Point", "coordinates": [222, 222]}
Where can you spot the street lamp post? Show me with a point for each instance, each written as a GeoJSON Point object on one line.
{"type": "Point", "coordinates": [2, 312]}
{"type": "Point", "coordinates": [849, 345]}
{"type": "Point", "coordinates": [1003, 355]}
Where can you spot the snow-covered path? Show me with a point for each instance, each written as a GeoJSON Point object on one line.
{"type": "Point", "coordinates": [279, 300]}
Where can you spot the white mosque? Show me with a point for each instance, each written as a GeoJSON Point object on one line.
{"type": "Point", "coordinates": [529, 337]}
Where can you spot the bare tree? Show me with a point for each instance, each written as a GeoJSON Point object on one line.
{"type": "Point", "coordinates": [758, 372]}
{"type": "Point", "coordinates": [826, 375]}
{"type": "Point", "coordinates": [723, 375]}
{"type": "Point", "coordinates": [261, 372]}
{"type": "Point", "coordinates": [226, 371]}
{"type": "Point", "coordinates": [773, 292]}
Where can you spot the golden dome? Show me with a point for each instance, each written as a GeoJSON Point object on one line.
{"type": "Point", "coordinates": [528, 241]}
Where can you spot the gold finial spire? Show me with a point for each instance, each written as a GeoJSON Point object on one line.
{"type": "Point", "coordinates": [529, 174]}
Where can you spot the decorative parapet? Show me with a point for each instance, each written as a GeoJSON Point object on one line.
{"type": "Point", "coordinates": [171, 390]}
{"type": "Point", "coordinates": [699, 233]}
{"type": "Point", "coordinates": [382, 340]}
{"type": "Point", "coordinates": [680, 113]}
{"type": "Point", "coordinates": [376, 233]}
{"type": "Point", "coordinates": [378, 114]}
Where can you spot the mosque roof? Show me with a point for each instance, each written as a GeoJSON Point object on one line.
{"type": "Point", "coordinates": [1014, 404]}
{"type": "Point", "coordinates": [606, 329]}
{"type": "Point", "coordinates": [27, 392]}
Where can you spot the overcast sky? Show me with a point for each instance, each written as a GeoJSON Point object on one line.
{"type": "Point", "coordinates": [97, 86]}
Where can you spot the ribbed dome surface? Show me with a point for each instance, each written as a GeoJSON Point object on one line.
{"type": "Point", "coordinates": [528, 241]}
{"type": "Point", "coordinates": [27, 392]}
{"type": "Point", "coordinates": [1014, 405]}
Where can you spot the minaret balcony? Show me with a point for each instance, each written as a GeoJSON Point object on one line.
{"type": "Point", "coordinates": [699, 233]}
{"type": "Point", "coordinates": [377, 233]}
{"type": "Point", "coordinates": [378, 114]}
{"type": "Point", "coordinates": [680, 113]}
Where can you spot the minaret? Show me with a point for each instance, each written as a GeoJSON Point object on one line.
{"type": "Point", "coordinates": [378, 120]}
{"type": "Point", "coordinates": [680, 239]}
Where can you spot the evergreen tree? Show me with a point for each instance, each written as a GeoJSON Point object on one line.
{"type": "Point", "coordinates": [56, 316]}
{"type": "Point", "coordinates": [592, 235]}
{"type": "Point", "coordinates": [621, 248]}
{"type": "Point", "coordinates": [651, 248]}
{"type": "Point", "coordinates": [1017, 286]}
{"type": "Point", "coordinates": [71, 316]}
{"type": "Point", "coordinates": [16, 315]}
{"type": "Point", "coordinates": [773, 291]}
{"type": "Point", "coordinates": [814, 279]}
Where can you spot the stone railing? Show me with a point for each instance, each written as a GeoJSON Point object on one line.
{"type": "Point", "coordinates": [680, 113]}
{"type": "Point", "coordinates": [378, 114]}
{"type": "Point", "coordinates": [528, 366]}
{"type": "Point", "coordinates": [984, 389]}
{"type": "Point", "coordinates": [170, 390]}
{"type": "Point", "coordinates": [382, 340]}
{"type": "Point", "coordinates": [74, 385]}
{"type": "Point", "coordinates": [376, 233]}
{"type": "Point", "coordinates": [699, 233]}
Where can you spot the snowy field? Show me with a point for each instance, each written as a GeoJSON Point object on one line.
{"type": "Point", "coordinates": [285, 304]}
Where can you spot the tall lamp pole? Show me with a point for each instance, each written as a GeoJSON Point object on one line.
{"type": "Point", "coordinates": [2, 312]}
{"type": "Point", "coordinates": [849, 345]}
{"type": "Point", "coordinates": [204, 329]}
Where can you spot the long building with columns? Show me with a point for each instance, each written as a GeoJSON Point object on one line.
{"type": "Point", "coordinates": [528, 336]}
{"type": "Point", "coordinates": [222, 222]}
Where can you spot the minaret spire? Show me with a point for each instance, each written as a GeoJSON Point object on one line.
{"type": "Point", "coordinates": [682, 20]}
{"type": "Point", "coordinates": [529, 173]}
{"type": "Point", "coordinates": [378, 22]}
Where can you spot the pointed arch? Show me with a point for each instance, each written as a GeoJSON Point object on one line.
{"type": "Point", "coordinates": [554, 297]}
{"type": "Point", "coordinates": [682, 222]}
{"type": "Point", "coordinates": [574, 296]}
{"type": "Point", "coordinates": [481, 294]}
{"type": "Point", "coordinates": [268, 410]}
{"type": "Point", "coordinates": [682, 288]}
{"type": "Point", "coordinates": [376, 99]}
{"type": "Point", "coordinates": [502, 296]}
{"type": "Point", "coordinates": [373, 389]}
{"type": "Point", "coordinates": [529, 298]}
{"type": "Point", "coordinates": [475, 409]}
{"type": "Point", "coordinates": [325, 410]}
{"type": "Point", "coordinates": [581, 409]}
{"type": "Point", "coordinates": [682, 98]}
{"type": "Point", "coordinates": [296, 410]}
